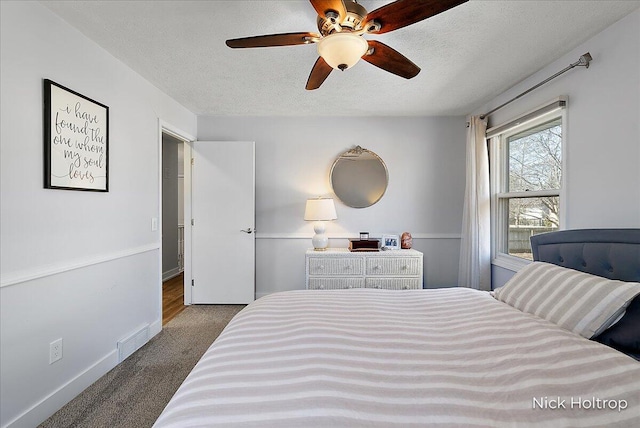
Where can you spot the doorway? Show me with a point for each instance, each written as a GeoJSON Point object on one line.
{"type": "Point", "coordinates": [172, 203]}
{"type": "Point", "coordinates": [236, 156]}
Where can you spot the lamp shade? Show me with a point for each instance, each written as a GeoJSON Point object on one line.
{"type": "Point", "coordinates": [342, 50]}
{"type": "Point", "coordinates": [320, 209]}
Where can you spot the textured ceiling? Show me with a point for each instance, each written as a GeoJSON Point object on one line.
{"type": "Point", "coordinates": [468, 55]}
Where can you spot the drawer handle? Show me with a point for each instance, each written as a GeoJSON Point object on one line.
{"type": "Point", "coordinates": [321, 267]}
{"type": "Point", "coordinates": [406, 287]}
{"type": "Point", "coordinates": [377, 267]}
{"type": "Point", "coordinates": [348, 267]}
{"type": "Point", "coordinates": [321, 287]}
{"type": "Point", "coordinates": [377, 286]}
{"type": "Point", "coordinates": [405, 267]}
{"type": "Point", "coordinates": [349, 286]}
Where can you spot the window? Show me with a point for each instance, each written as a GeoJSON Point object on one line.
{"type": "Point", "coordinates": [526, 181]}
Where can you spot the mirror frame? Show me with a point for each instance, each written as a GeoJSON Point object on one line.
{"type": "Point", "coordinates": [351, 153]}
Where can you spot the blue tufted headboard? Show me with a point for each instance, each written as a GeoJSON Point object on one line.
{"type": "Point", "coordinates": [610, 253]}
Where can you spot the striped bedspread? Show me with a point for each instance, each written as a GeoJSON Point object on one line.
{"type": "Point", "coordinates": [380, 358]}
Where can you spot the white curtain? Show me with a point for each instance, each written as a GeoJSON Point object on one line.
{"type": "Point", "coordinates": [475, 245]}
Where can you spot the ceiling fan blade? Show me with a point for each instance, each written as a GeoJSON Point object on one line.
{"type": "Point", "coordinates": [319, 73]}
{"type": "Point", "coordinates": [406, 12]}
{"type": "Point", "coordinates": [390, 60]}
{"type": "Point", "coordinates": [286, 39]}
{"type": "Point", "coordinates": [323, 6]}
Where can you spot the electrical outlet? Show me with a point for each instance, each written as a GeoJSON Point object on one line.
{"type": "Point", "coordinates": [55, 351]}
{"type": "Point", "coordinates": [154, 224]}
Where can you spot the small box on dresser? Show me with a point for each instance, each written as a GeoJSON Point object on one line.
{"type": "Point", "coordinates": [338, 268]}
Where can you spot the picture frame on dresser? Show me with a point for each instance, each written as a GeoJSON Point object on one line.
{"type": "Point", "coordinates": [391, 242]}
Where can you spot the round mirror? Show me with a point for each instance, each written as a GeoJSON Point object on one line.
{"type": "Point", "coordinates": [359, 178]}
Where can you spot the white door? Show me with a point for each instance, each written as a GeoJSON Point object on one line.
{"type": "Point", "coordinates": [223, 212]}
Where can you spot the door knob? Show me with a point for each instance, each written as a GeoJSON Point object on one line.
{"type": "Point", "coordinates": [247, 230]}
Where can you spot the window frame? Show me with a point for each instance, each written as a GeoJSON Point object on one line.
{"type": "Point", "coordinates": [499, 178]}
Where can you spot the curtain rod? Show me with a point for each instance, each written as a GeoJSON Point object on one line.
{"type": "Point", "coordinates": [582, 62]}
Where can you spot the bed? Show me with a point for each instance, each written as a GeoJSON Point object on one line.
{"type": "Point", "coordinates": [533, 353]}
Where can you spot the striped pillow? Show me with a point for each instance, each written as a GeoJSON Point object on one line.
{"type": "Point", "coordinates": [583, 303]}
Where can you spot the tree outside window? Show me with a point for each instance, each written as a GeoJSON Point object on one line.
{"type": "Point", "coordinates": [529, 195]}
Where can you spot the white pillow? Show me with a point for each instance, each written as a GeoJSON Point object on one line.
{"type": "Point", "coordinates": [577, 301]}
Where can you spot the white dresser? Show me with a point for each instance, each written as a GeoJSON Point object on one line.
{"type": "Point", "coordinates": [338, 268]}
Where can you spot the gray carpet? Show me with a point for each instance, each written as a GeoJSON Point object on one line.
{"type": "Point", "coordinates": [134, 393]}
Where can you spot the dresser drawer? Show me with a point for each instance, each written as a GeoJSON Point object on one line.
{"type": "Point", "coordinates": [336, 266]}
{"type": "Point", "coordinates": [335, 283]}
{"type": "Point", "coordinates": [339, 268]}
{"type": "Point", "coordinates": [394, 283]}
{"type": "Point", "coordinates": [397, 266]}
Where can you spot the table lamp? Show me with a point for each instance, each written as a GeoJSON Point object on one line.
{"type": "Point", "coordinates": [320, 210]}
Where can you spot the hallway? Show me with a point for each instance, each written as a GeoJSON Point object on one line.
{"type": "Point", "coordinates": [172, 298]}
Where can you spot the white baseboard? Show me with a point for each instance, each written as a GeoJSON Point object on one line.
{"type": "Point", "coordinates": [39, 412]}
{"type": "Point", "coordinates": [171, 274]}
{"type": "Point", "coordinates": [155, 327]}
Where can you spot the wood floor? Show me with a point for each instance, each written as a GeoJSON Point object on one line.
{"type": "Point", "coordinates": [172, 298]}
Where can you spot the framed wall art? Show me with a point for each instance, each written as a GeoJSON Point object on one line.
{"type": "Point", "coordinates": [76, 140]}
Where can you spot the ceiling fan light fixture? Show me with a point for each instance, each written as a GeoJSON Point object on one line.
{"type": "Point", "coordinates": [342, 50]}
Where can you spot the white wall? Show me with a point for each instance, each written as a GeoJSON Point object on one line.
{"type": "Point", "coordinates": [602, 129]}
{"type": "Point", "coordinates": [85, 266]}
{"type": "Point", "coordinates": [81, 266]}
{"type": "Point", "coordinates": [425, 158]}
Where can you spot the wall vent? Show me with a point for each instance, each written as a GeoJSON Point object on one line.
{"type": "Point", "coordinates": [131, 344]}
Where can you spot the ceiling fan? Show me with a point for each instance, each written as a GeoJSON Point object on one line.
{"type": "Point", "coordinates": [342, 23]}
